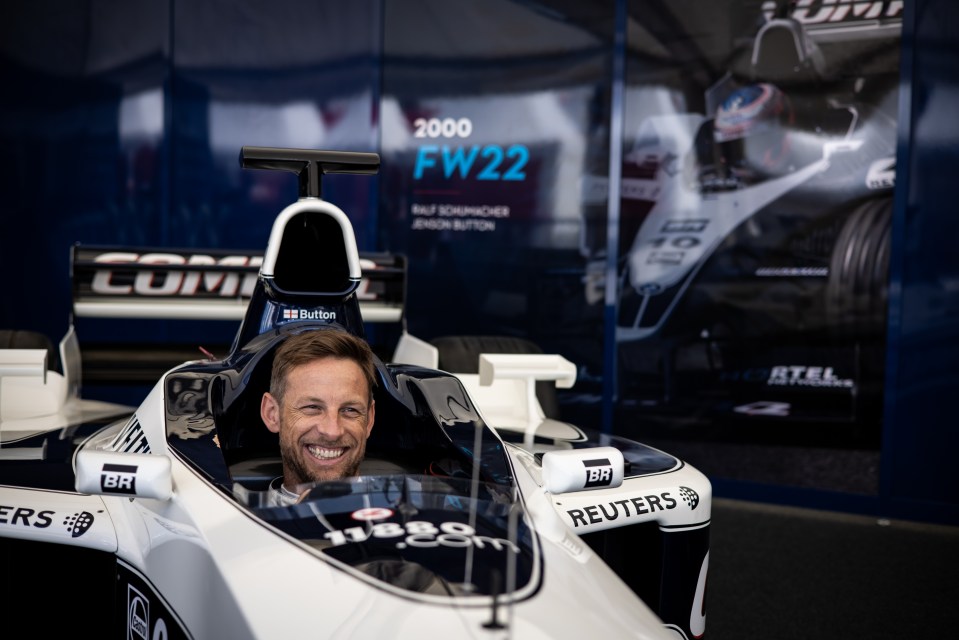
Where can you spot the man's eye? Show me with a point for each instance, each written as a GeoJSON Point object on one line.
{"type": "Point", "coordinates": [351, 411]}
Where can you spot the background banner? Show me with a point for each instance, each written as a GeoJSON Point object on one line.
{"type": "Point", "coordinates": [759, 166]}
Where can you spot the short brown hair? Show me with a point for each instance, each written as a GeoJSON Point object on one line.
{"type": "Point", "coordinates": [308, 346]}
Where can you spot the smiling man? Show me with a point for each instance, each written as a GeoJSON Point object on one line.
{"type": "Point", "coordinates": [320, 403]}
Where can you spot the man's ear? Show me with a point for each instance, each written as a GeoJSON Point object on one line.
{"type": "Point", "coordinates": [270, 412]}
{"type": "Point", "coordinates": [372, 414]}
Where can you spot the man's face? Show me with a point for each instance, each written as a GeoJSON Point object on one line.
{"type": "Point", "coordinates": [323, 421]}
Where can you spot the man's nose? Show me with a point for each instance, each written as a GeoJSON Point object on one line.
{"type": "Point", "coordinates": [329, 426]}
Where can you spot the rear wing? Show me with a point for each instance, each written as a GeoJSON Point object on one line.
{"type": "Point", "coordinates": [190, 284]}
{"type": "Point", "coordinates": [140, 283]}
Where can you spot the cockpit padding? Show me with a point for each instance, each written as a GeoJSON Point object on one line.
{"type": "Point", "coordinates": [242, 433]}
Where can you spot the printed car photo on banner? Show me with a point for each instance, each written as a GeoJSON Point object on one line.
{"type": "Point", "coordinates": [758, 176]}
{"type": "Point", "coordinates": [486, 138]}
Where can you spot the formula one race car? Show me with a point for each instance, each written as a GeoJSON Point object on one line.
{"type": "Point", "coordinates": [473, 515]}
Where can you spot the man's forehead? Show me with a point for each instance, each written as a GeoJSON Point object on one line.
{"type": "Point", "coordinates": [330, 381]}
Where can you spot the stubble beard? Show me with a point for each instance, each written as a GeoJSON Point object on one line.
{"type": "Point", "coordinates": [297, 471]}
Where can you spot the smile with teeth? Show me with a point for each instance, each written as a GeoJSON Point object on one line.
{"type": "Point", "coordinates": [325, 453]}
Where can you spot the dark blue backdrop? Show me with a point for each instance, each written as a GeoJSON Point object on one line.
{"type": "Point", "coordinates": [121, 123]}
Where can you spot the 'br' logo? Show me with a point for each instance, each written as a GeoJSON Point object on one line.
{"type": "Point", "coordinates": [599, 472]}
{"type": "Point", "coordinates": [119, 478]}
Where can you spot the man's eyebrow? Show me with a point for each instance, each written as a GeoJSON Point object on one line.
{"type": "Point", "coordinates": [346, 403]}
